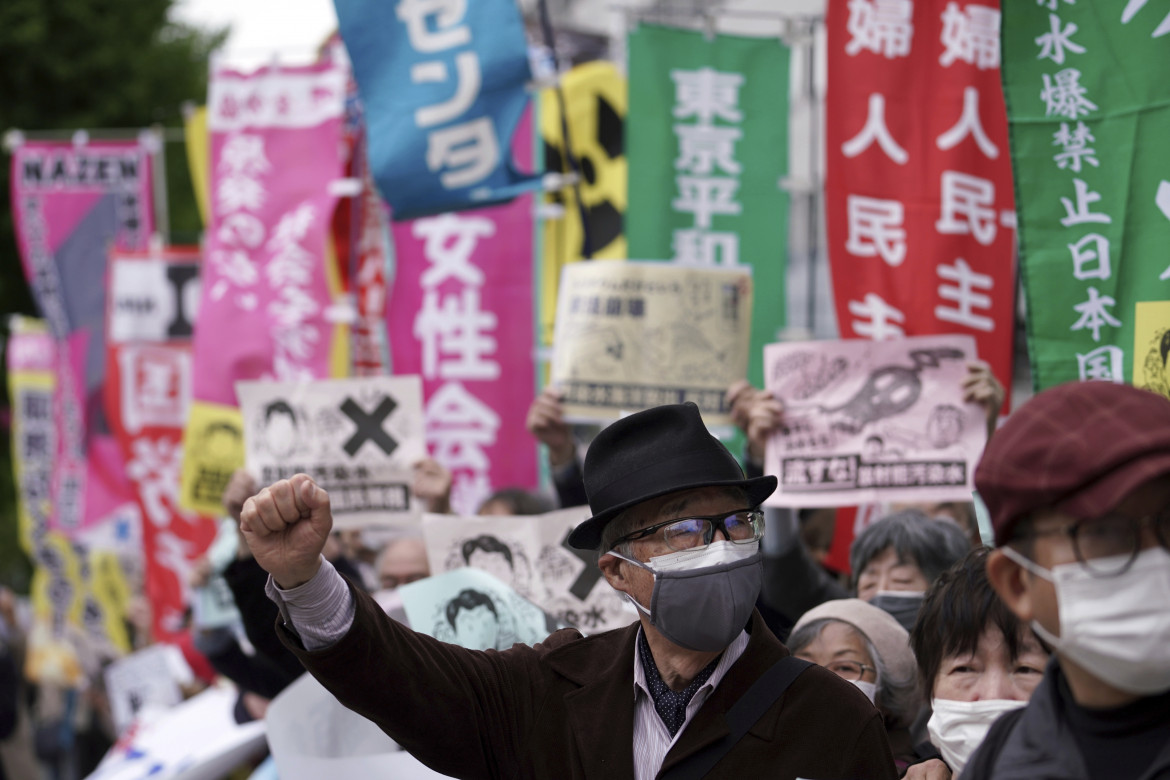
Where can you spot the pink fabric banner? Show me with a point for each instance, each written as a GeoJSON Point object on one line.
{"type": "Point", "coordinates": [70, 204]}
{"type": "Point", "coordinates": [471, 339]}
{"type": "Point", "coordinates": [275, 151]}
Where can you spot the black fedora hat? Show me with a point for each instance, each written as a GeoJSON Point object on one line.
{"type": "Point", "coordinates": [649, 454]}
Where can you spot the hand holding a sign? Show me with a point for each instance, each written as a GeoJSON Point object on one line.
{"type": "Point", "coordinates": [546, 421]}
{"type": "Point", "coordinates": [981, 387]}
{"type": "Point", "coordinates": [757, 413]}
{"type": "Point", "coordinates": [286, 526]}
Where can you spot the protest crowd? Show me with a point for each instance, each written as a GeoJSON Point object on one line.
{"type": "Point", "coordinates": [514, 414]}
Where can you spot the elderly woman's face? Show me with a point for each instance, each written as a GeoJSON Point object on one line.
{"type": "Point", "coordinates": [885, 572]}
{"type": "Point", "coordinates": [841, 650]}
{"type": "Point", "coordinates": [990, 672]}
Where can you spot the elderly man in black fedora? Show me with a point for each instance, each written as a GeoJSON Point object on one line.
{"type": "Point", "coordinates": [697, 687]}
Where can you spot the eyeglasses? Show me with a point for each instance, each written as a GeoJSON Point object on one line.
{"type": "Point", "coordinates": [1107, 546]}
{"type": "Point", "coordinates": [686, 533]}
{"type": "Point", "coordinates": [850, 670]}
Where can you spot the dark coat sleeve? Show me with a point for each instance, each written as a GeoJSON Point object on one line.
{"type": "Point", "coordinates": [570, 485]}
{"type": "Point", "coordinates": [870, 755]}
{"type": "Point", "coordinates": [246, 580]}
{"type": "Point", "coordinates": [463, 713]}
{"type": "Point", "coordinates": [794, 583]}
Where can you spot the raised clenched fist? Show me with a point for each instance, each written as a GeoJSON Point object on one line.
{"type": "Point", "coordinates": [286, 525]}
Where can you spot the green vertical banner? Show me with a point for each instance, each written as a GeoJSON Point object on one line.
{"type": "Point", "coordinates": [707, 146]}
{"type": "Point", "coordinates": [1088, 102]}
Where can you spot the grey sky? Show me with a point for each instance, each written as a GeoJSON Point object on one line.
{"type": "Point", "coordinates": [263, 28]}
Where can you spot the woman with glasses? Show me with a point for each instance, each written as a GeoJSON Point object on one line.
{"type": "Point", "coordinates": [866, 646]}
{"type": "Point", "coordinates": [1077, 482]}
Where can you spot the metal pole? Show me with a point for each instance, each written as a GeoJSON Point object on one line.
{"type": "Point", "coordinates": [162, 214]}
{"type": "Point", "coordinates": [814, 164]}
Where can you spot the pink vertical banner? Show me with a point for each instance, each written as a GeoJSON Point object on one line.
{"type": "Point", "coordinates": [275, 155]}
{"type": "Point", "coordinates": [461, 316]}
{"type": "Point", "coordinates": [71, 204]}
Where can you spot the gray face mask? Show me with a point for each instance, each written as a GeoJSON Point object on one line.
{"type": "Point", "coordinates": [703, 598]}
{"type": "Point", "coordinates": [902, 604]}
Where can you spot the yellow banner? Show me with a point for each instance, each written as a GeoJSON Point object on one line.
{"type": "Point", "coordinates": [595, 108]}
{"type": "Point", "coordinates": [213, 448]}
{"type": "Point", "coordinates": [75, 613]}
{"type": "Point", "coordinates": [199, 158]}
{"type": "Point", "coordinates": [1151, 346]}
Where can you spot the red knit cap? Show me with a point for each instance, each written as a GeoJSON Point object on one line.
{"type": "Point", "coordinates": [1078, 448]}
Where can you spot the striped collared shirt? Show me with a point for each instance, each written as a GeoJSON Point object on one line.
{"type": "Point", "coordinates": [652, 740]}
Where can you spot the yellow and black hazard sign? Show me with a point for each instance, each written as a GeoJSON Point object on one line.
{"type": "Point", "coordinates": [595, 107]}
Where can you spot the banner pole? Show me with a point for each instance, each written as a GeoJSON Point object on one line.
{"type": "Point", "coordinates": [814, 219]}
{"type": "Point", "coordinates": [154, 140]}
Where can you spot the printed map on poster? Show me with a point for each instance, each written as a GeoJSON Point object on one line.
{"type": "Point", "coordinates": [358, 438]}
{"type": "Point", "coordinates": [870, 421]}
{"type": "Point", "coordinates": [630, 336]}
{"type": "Point", "coordinates": [531, 554]}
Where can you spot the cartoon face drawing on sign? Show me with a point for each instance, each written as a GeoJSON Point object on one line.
{"type": "Point", "coordinates": [473, 617]}
{"type": "Point", "coordinates": [1157, 364]}
{"type": "Point", "coordinates": [281, 429]}
{"type": "Point", "coordinates": [944, 427]}
{"type": "Point", "coordinates": [488, 553]}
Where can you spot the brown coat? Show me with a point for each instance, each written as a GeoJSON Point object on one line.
{"type": "Point", "coordinates": [565, 708]}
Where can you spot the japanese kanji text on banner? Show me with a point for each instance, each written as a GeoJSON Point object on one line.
{"type": "Point", "coordinates": [460, 316]}
{"type": "Point", "coordinates": [148, 396]}
{"type": "Point", "coordinates": [918, 191]}
{"type": "Point", "coordinates": [708, 146]}
{"type": "Point", "coordinates": [358, 438]}
{"type": "Point", "coordinates": [70, 204]}
{"type": "Point", "coordinates": [867, 422]}
{"type": "Point", "coordinates": [1086, 94]}
{"type": "Point", "coordinates": [634, 335]}
{"type": "Point", "coordinates": [443, 85]}
{"type": "Point", "coordinates": [269, 292]}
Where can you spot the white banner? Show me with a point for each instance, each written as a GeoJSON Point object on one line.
{"type": "Point", "coordinates": [530, 553]}
{"type": "Point", "coordinates": [630, 336]}
{"type": "Point", "coordinates": [312, 736]}
{"type": "Point", "coordinates": [197, 740]}
{"type": "Point", "coordinates": [358, 438]}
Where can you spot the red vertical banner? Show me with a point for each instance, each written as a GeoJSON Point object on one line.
{"type": "Point", "coordinates": [919, 203]}
{"type": "Point", "coordinates": [152, 300]}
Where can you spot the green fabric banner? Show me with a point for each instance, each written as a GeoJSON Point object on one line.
{"type": "Point", "coordinates": [707, 145]}
{"type": "Point", "coordinates": [1088, 102]}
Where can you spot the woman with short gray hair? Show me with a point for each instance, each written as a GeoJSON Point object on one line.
{"type": "Point", "coordinates": [866, 646]}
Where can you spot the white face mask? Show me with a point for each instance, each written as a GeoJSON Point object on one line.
{"type": "Point", "coordinates": [713, 554]}
{"type": "Point", "coordinates": [868, 688]}
{"type": "Point", "coordinates": [1116, 628]}
{"type": "Point", "coordinates": [957, 728]}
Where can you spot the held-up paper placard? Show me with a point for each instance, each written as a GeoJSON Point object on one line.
{"type": "Point", "coordinates": [531, 554]}
{"type": "Point", "coordinates": [358, 438]}
{"type": "Point", "coordinates": [630, 336]}
{"type": "Point", "coordinates": [871, 421]}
